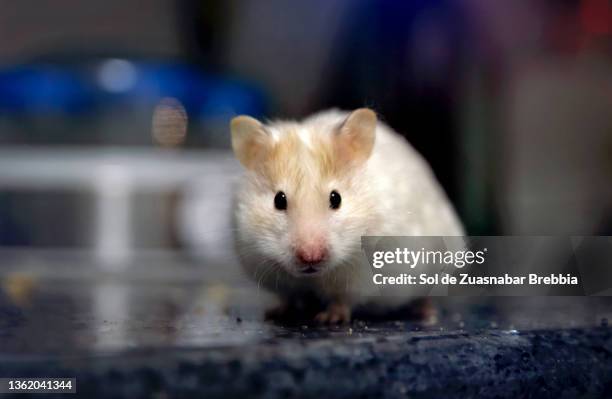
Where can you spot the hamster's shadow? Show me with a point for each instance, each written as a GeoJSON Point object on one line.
{"type": "Point", "coordinates": [302, 311]}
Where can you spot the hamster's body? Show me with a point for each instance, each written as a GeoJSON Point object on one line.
{"type": "Point", "coordinates": [307, 246]}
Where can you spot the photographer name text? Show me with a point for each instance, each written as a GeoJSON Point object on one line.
{"type": "Point", "coordinates": [466, 279]}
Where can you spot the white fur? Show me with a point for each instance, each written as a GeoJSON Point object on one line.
{"type": "Point", "coordinates": [394, 193]}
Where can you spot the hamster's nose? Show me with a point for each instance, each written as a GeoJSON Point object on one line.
{"type": "Point", "coordinates": [311, 255]}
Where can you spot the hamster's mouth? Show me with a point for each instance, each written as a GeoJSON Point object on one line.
{"type": "Point", "coordinates": [310, 270]}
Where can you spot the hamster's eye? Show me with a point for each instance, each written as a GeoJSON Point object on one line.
{"type": "Point", "coordinates": [280, 201]}
{"type": "Point", "coordinates": [334, 200]}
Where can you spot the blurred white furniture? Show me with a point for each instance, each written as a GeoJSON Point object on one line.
{"type": "Point", "coordinates": [114, 175]}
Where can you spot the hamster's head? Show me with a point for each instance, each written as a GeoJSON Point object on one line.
{"type": "Point", "coordinates": [304, 204]}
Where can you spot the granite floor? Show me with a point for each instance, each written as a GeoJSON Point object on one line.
{"type": "Point", "coordinates": [143, 334]}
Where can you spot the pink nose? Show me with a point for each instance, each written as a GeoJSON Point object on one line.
{"type": "Point", "coordinates": [311, 255]}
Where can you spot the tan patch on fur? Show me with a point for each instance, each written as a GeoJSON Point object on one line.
{"type": "Point", "coordinates": [291, 159]}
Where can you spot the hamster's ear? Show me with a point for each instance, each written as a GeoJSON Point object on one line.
{"type": "Point", "coordinates": [249, 140]}
{"type": "Point", "coordinates": [355, 137]}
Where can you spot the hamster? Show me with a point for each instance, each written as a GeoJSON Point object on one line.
{"type": "Point", "coordinates": [311, 189]}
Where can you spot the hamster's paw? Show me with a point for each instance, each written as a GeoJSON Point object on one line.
{"type": "Point", "coordinates": [336, 313]}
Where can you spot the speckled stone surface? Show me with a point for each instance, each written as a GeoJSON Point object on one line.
{"type": "Point", "coordinates": [492, 364]}
{"type": "Point", "coordinates": [152, 338]}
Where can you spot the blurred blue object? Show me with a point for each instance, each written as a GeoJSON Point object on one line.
{"type": "Point", "coordinates": [100, 90]}
{"type": "Point", "coordinates": [41, 89]}
{"type": "Point", "coordinates": [201, 94]}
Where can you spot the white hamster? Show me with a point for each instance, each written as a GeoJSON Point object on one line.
{"type": "Point", "coordinates": [311, 190]}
